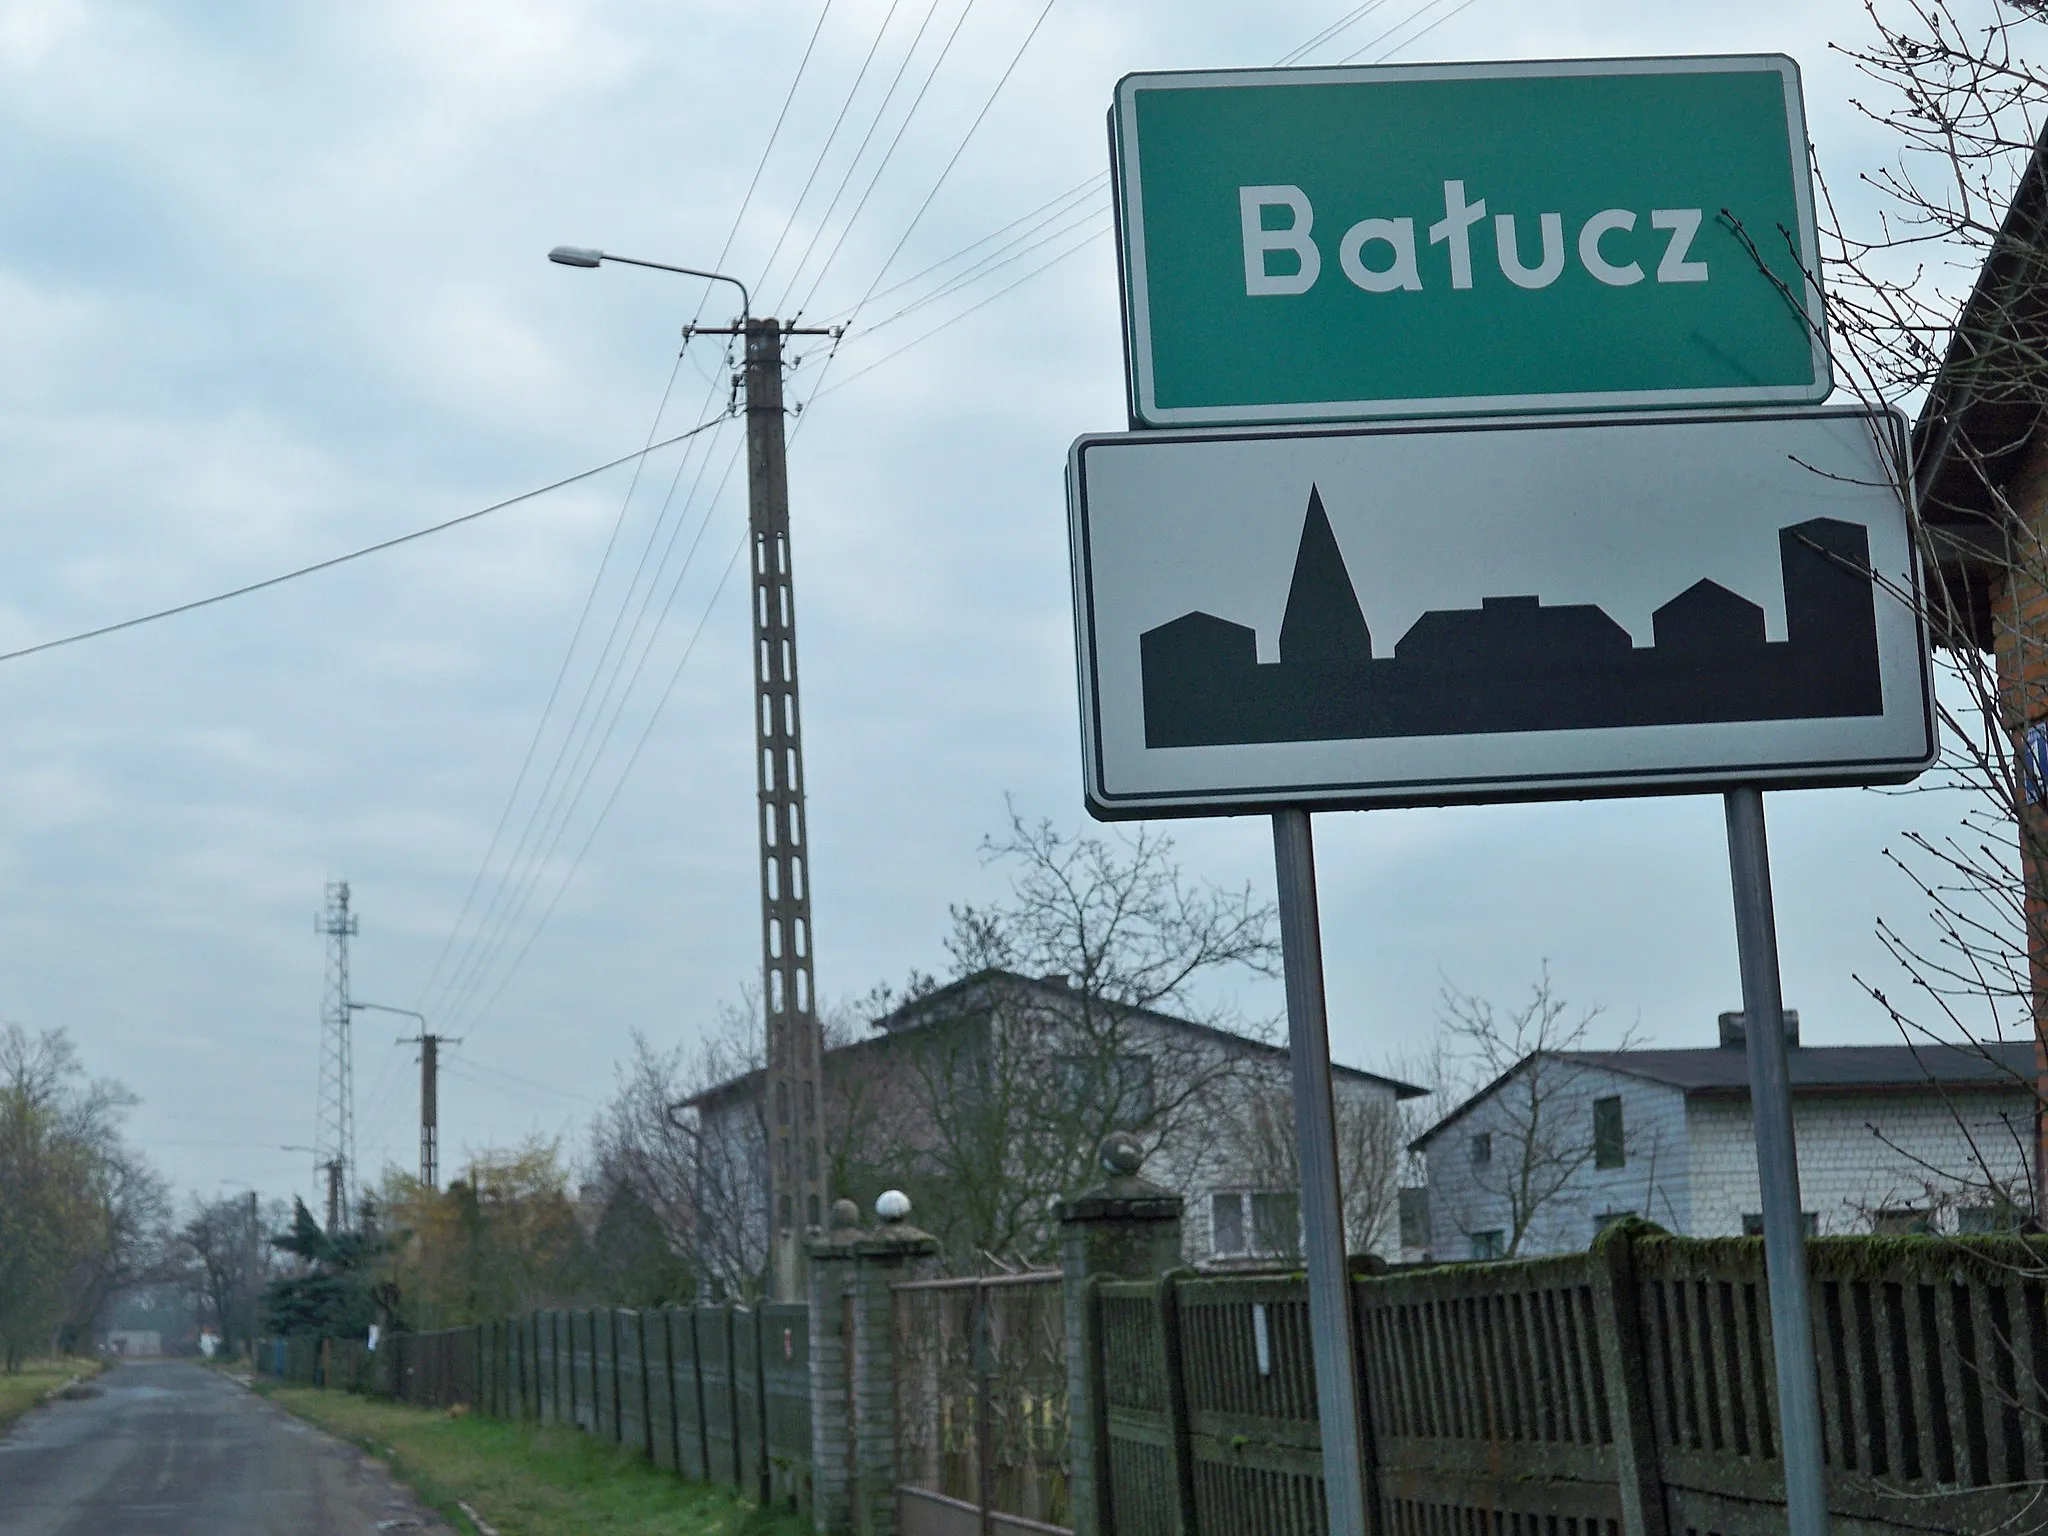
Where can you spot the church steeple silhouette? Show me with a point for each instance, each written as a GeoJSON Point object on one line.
{"type": "Point", "coordinates": [1323, 625]}
{"type": "Point", "coordinates": [1516, 663]}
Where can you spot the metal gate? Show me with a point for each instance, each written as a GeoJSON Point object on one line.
{"type": "Point", "coordinates": [981, 1391]}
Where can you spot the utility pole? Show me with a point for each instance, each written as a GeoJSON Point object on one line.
{"type": "Point", "coordinates": [335, 1130]}
{"type": "Point", "coordinates": [430, 1098]}
{"type": "Point", "coordinates": [430, 1112]}
{"type": "Point", "coordinates": [793, 1107]}
{"type": "Point", "coordinates": [337, 1195]}
{"type": "Point", "coordinates": [796, 1070]}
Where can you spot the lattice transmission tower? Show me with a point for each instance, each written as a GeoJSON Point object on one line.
{"type": "Point", "coordinates": [334, 1138]}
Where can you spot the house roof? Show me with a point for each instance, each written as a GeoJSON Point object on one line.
{"type": "Point", "coordinates": [1984, 411]}
{"type": "Point", "coordinates": [936, 1007]}
{"type": "Point", "coordinates": [1816, 1070]}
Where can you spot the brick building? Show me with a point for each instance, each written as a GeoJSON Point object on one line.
{"type": "Point", "coordinates": [1891, 1138]}
{"type": "Point", "coordinates": [1980, 476]}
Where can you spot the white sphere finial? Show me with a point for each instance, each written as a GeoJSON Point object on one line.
{"type": "Point", "coordinates": [893, 1207]}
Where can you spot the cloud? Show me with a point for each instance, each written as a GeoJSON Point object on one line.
{"type": "Point", "coordinates": [275, 286]}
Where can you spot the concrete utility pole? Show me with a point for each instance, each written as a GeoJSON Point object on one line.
{"type": "Point", "coordinates": [335, 1129]}
{"type": "Point", "coordinates": [794, 1104]}
{"type": "Point", "coordinates": [796, 1071]}
{"type": "Point", "coordinates": [430, 1112]}
{"type": "Point", "coordinates": [430, 1097]}
{"type": "Point", "coordinates": [337, 1195]}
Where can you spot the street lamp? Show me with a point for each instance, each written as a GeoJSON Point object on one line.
{"type": "Point", "coordinates": [583, 256]}
{"type": "Point", "coordinates": [386, 1008]}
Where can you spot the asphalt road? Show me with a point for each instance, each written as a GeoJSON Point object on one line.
{"type": "Point", "coordinates": [168, 1448]}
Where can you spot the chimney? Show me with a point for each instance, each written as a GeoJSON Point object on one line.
{"type": "Point", "coordinates": [1735, 1035]}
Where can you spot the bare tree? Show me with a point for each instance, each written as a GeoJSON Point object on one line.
{"type": "Point", "coordinates": [1011, 1090]}
{"type": "Point", "coordinates": [1938, 296]}
{"type": "Point", "coordinates": [683, 1133]}
{"type": "Point", "coordinates": [1539, 1136]}
{"type": "Point", "coordinates": [226, 1246]}
{"type": "Point", "coordinates": [697, 1161]}
{"type": "Point", "coordinates": [1256, 1136]}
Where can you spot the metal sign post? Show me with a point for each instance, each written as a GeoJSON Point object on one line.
{"type": "Point", "coordinates": [1777, 1161]}
{"type": "Point", "coordinates": [1483, 589]}
{"type": "Point", "coordinates": [1322, 1206]}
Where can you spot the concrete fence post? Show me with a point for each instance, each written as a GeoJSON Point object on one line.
{"type": "Point", "coordinates": [894, 1252]}
{"type": "Point", "coordinates": [1618, 1293]}
{"type": "Point", "coordinates": [832, 1269]}
{"type": "Point", "coordinates": [1123, 1229]}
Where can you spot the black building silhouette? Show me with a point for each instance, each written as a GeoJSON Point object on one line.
{"type": "Point", "coordinates": [1513, 664]}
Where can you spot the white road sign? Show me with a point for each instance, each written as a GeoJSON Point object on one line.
{"type": "Point", "coordinates": [1495, 610]}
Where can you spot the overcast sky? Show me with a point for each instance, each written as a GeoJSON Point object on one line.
{"type": "Point", "coordinates": [274, 287]}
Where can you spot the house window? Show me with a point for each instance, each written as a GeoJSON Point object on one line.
{"type": "Point", "coordinates": [1979, 1219]}
{"type": "Point", "coordinates": [1255, 1222]}
{"type": "Point", "coordinates": [1608, 1151]}
{"type": "Point", "coordinates": [1488, 1245]}
{"type": "Point", "coordinates": [1753, 1223]}
{"type": "Point", "coordinates": [1226, 1223]}
{"type": "Point", "coordinates": [1414, 1204]}
{"type": "Point", "coordinates": [1482, 1149]}
{"type": "Point", "coordinates": [1902, 1221]}
{"type": "Point", "coordinates": [1276, 1221]}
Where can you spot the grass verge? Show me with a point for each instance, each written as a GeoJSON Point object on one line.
{"type": "Point", "coordinates": [36, 1380]}
{"type": "Point", "coordinates": [529, 1481]}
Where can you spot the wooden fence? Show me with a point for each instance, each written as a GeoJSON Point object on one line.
{"type": "Point", "coordinates": [1625, 1392]}
{"type": "Point", "coordinates": [718, 1392]}
{"type": "Point", "coordinates": [1630, 1390]}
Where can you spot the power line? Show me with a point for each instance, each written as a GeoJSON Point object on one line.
{"type": "Point", "coordinates": [555, 689]}
{"type": "Point", "coordinates": [1331, 33]}
{"type": "Point", "coordinates": [773, 134]}
{"type": "Point", "coordinates": [1041, 269]}
{"type": "Point", "coordinates": [468, 1072]}
{"type": "Point", "coordinates": [626, 773]}
{"type": "Point", "coordinates": [540, 809]}
{"type": "Point", "coordinates": [825, 149]}
{"type": "Point", "coordinates": [1033, 219]}
{"type": "Point", "coordinates": [354, 554]}
{"type": "Point", "coordinates": [560, 827]}
{"type": "Point", "coordinates": [889, 154]}
{"type": "Point", "coordinates": [521, 887]}
{"type": "Point", "coordinates": [1051, 210]}
{"type": "Point", "coordinates": [881, 112]}
{"type": "Point", "coordinates": [983, 268]}
{"type": "Point", "coordinates": [517, 888]}
{"type": "Point", "coordinates": [965, 139]}
{"type": "Point", "coordinates": [529, 858]}
{"type": "Point", "coordinates": [1428, 5]}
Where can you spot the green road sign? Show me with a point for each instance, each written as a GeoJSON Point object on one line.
{"type": "Point", "coordinates": [1336, 244]}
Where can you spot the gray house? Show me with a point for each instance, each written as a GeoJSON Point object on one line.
{"type": "Point", "coordinates": [1891, 1138]}
{"type": "Point", "coordinates": [991, 1084]}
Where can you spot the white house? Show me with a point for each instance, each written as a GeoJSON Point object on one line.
{"type": "Point", "coordinates": [1891, 1138]}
